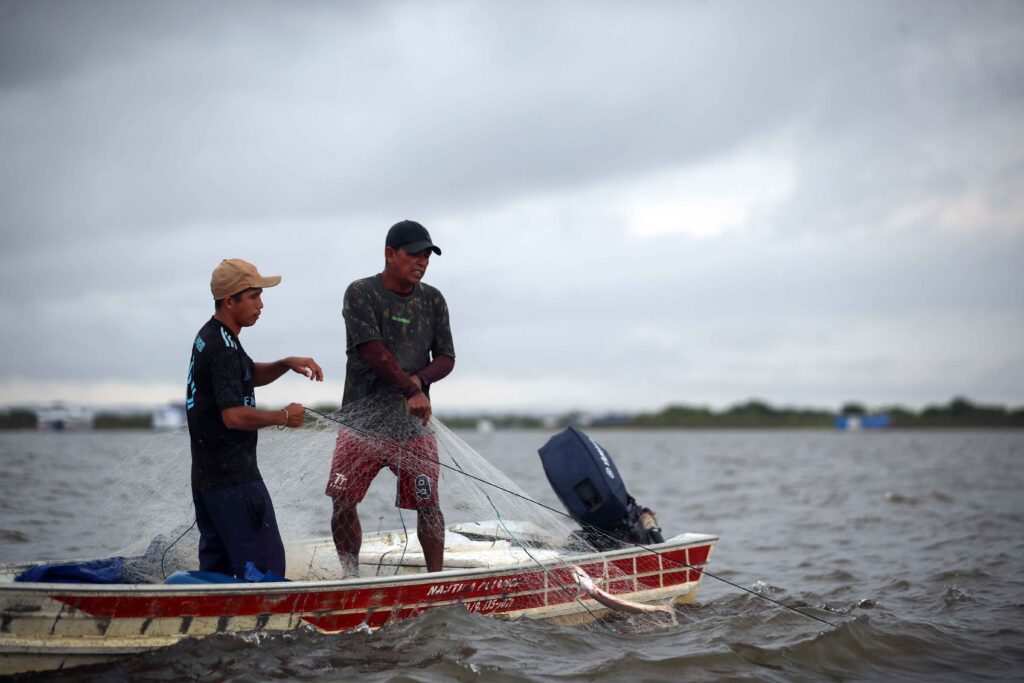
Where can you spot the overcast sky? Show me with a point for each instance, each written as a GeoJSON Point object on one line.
{"type": "Point", "coordinates": [639, 204]}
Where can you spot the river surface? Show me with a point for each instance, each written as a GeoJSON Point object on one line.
{"type": "Point", "coordinates": [909, 543]}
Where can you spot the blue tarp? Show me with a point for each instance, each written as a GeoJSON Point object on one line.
{"type": "Point", "coordinates": [201, 577]}
{"type": "Point", "coordinates": [252, 575]}
{"type": "Point", "coordinates": [112, 570]}
{"type": "Point", "coordinates": [109, 570]}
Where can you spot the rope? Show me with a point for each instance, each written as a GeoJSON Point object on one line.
{"type": "Point", "coordinates": [163, 555]}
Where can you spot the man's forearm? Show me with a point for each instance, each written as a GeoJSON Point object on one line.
{"type": "Point", "coordinates": [265, 373]}
{"type": "Point", "coordinates": [249, 419]}
{"type": "Point", "coordinates": [438, 369]}
{"type": "Point", "coordinates": [387, 368]}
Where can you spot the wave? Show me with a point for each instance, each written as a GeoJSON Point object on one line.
{"type": "Point", "coordinates": [862, 648]}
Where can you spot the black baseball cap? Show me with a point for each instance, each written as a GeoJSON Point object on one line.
{"type": "Point", "coordinates": [411, 236]}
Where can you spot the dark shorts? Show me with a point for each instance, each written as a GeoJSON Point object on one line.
{"type": "Point", "coordinates": [237, 525]}
{"type": "Point", "coordinates": [357, 460]}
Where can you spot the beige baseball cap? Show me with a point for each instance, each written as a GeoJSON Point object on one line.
{"type": "Point", "coordinates": [234, 275]}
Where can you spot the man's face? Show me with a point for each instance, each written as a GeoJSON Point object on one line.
{"type": "Point", "coordinates": [246, 310]}
{"type": "Point", "coordinates": [407, 268]}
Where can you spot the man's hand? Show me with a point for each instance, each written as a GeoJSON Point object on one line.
{"type": "Point", "coordinates": [265, 373]}
{"type": "Point", "coordinates": [419, 405]}
{"type": "Point", "coordinates": [296, 413]}
{"type": "Point", "coordinates": [305, 366]}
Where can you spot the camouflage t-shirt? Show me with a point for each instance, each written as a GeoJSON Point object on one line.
{"type": "Point", "coordinates": [414, 328]}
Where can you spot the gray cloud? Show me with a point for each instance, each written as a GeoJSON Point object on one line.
{"type": "Point", "coordinates": [145, 141]}
{"type": "Point", "coordinates": [184, 116]}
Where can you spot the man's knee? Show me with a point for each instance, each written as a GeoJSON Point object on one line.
{"type": "Point", "coordinates": [343, 509]}
{"type": "Point", "coordinates": [432, 516]}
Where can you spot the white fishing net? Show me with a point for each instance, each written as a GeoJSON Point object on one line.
{"type": "Point", "coordinates": [489, 521]}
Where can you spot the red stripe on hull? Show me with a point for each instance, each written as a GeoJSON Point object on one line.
{"type": "Point", "coordinates": [487, 594]}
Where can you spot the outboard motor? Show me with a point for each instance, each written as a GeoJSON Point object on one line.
{"type": "Point", "coordinates": [591, 489]}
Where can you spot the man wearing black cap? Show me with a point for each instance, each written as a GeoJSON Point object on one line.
{"type": "Point", "coordinates": [398, 343]}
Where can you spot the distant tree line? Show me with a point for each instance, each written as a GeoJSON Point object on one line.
{"type": "Point", "coordinates": [18, 418]}
{"type": "Point", "coordinates": [959, 413]}
{"type": "Point", "coordinates": [752, 414]}
{"type": "Point", "coordinates": [122, 421]}
{"type": "Point", "coordinates": [500, 421]}
{"type": "Point", "coordinates": [25, 418]}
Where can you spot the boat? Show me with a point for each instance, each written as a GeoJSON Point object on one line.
{"type": "Point", "coordinates": [617, 561]}
{"type": "Point", "coordinates": [852, 422]}
{"type": "Point", "coordinates": [63, 416]}
{"type": "Point", "coordinates": [490, 568]}
{"type": "Point", "coordinates": [169, 417]}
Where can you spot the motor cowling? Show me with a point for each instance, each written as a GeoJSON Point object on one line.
{"type": "Point", "coordinates": [585, 479]}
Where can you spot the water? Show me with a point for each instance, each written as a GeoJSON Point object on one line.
{"type": "Point", "coordinates": [910, 541]}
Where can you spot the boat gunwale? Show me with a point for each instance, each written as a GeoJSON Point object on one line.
{"type": "Point", "coordinates": [679, 542]}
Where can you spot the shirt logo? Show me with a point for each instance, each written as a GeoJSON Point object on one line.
{"type": "Point", "coordinates": [190, 385]}
{"type": "Point", "coordinates": [404, 321]}
{"type": "Point", "coordinates": [200, 344]}
{"type": "Point", "coordinates": [228, 341]}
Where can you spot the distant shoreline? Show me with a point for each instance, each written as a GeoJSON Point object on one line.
{"type": "Point", "coordinates": [959, 413]}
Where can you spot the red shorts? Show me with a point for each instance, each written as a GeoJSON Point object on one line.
{"type": "Point", "coordinates": [358, 459]}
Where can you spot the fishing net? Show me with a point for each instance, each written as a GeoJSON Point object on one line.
{"type": "Point", "coordinates": [488, 520]}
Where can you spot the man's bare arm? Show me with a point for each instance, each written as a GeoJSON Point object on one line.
{"type": "Point", "coordinates": [265, 373]}
{"type": "Point", "coordinates": [249, 419]}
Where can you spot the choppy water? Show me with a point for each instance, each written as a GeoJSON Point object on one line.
{"type": "Point", "coordinates": [909, 542]}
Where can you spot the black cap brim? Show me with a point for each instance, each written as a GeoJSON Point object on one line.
{"type": "Point", "coordinates": [417, 247]}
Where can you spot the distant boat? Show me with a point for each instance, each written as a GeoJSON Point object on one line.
{"type": "Point", "coordinates": [170, 416]}
{"type": "Point", "coordinates": [60, 416]}
{"type": "Point", "coordinates": [852, 423]}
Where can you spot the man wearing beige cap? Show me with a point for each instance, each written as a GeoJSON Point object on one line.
{"type": "Point", "coordinates": [234, 512]}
